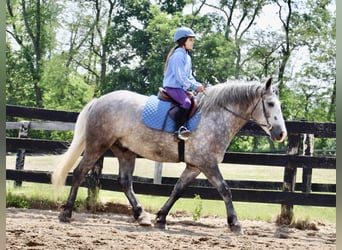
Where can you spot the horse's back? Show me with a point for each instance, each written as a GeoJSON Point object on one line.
{"type": "Point", "coordinates": [123, 95]}
{"type": "Point", "coordinates": [118, 109]}
{"type": "Point", "coordinates": [121, 101]}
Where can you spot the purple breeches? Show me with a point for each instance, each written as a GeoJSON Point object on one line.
{"type": "Point", "coordinates": [179, 96]}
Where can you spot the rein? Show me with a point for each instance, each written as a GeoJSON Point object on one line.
{"type": "Point", "coordinates": [251, 119]}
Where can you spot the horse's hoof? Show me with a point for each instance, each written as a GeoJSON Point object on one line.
{"type": "Point", "coordinates": [63, 217]}
{"type": "Point", "coordinates": [145, 223]}
{"type": "Point", "coordinates": [160, 225]}
{"type": "Point", "coordinates": [236, 229]}
{"type": "Point", "coordinates": [145, 219]}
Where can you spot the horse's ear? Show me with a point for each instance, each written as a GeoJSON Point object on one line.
{"type": "Point", "coordinates": [269, 83]}
{"type": "Point", "coordinates": [276, 85]}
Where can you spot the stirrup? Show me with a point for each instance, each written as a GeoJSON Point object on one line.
{"type": "Point", "coordinates": [183, 133]}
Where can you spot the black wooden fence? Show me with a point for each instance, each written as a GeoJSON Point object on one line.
{"type": "Point", "coordinates": [287, 193]}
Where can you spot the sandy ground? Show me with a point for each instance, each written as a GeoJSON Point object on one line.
{"type": "Point", "coordinates": [40, 229]}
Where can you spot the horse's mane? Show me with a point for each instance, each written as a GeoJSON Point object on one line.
{"type": "Point", "coordinates": [234, 92]}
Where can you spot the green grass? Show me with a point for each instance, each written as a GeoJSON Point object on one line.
{"type": "Point", "coordinates": [254, 211]}
{"type": "Point", "coordinates": [38, 195]}
{"type": "Point", "coordinates": [267, 212]}
{"type": "Point", "coordinates": [145, 168]}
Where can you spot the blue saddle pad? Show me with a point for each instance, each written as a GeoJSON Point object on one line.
{"type": "Point", "coordinates": [155, 115]}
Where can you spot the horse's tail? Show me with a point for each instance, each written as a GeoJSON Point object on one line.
{"type": "Point", "coordinates": [76, 148]}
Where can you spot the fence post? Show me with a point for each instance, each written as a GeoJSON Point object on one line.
{"type": "Point", "coordinates": [93, 184]}
{"type": "Point", "coordinates": [158, 169]}
{"type": "Point", "coordinates": [20, 160]}
{"type": "Point", "coordinates": [308, 148]}
{"type": "Point", "coordinates": [289, 183]}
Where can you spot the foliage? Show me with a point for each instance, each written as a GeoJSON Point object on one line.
{"type": "Point", "coordinates": [62, 88]}
{"type": "Point", "coordinates": [13, 200]}
{"type": "Point", "coordinates": [111, 45]}
{"type": "Point", "coordinates": [37, 196]}
{"type": "Point", "coordinates": [325, 146]}
{"type": "Point", "coordinates": [31, 25]}
{"type": "Point", "coordinates": [128, 79]}
{"type": "Point", "coordinates": [255, 144]}
{"type": "Point", "coordinates": [214, 60]}
{"type": "Point", "coordinates": [198, 207]}
{"type": "Point", "coordinates": [250, 211]}
{"type": "Point", "coordinates": [19, 91]}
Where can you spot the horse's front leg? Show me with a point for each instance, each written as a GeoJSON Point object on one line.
{"type": "Point", "coordinates": [188, 175]}
{"type": "Point", "coordinates": [215, 178]}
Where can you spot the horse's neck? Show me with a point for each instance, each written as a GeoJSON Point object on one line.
{"type": "Point", "coordinates": [237, 116]}
{"type": "Point", "coordinates": [224, 125]}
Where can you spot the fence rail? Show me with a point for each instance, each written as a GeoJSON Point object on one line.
{"type": "Point", "coordinates": [56, 147]}
{"type": "Point", "coordinates": [287, 193]}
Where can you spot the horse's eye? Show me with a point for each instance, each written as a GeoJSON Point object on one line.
{"type": "Point", "coordinates": [270, 104]}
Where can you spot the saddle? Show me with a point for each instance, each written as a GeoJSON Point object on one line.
{"type": "Point", "coordinates": [162, 95]}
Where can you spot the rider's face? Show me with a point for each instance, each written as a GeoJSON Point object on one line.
{"type": "Point", "coordinates": [189, 44]}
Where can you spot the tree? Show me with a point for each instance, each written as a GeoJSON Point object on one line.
{"type": "Point", "coordinates": [172, 7]}
{"type": "Point", "coordinates": [117, 44]}
{"type": "Point", "coordinates": [262, 55]}
{"type": "Point", "coordinates": [64, 88]}
{"type": "Point", "coordinates": [214, 59]}
{"type": "Point", "coordinates": [31, 25]}
{"type": "Point", "coordinates": [129, 46]}
{"type": "Point", "coordinates": [287, 46]}
{"type": "Point", "coordinates": [18, 79]}
{"type": "Point", "coordinates": [239, 16]}
{"type": "Point", "coordinates": [314, 29]}
{"type": "Point", "coordinates": [89, 38]}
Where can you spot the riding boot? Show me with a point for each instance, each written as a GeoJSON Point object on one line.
{"type": "Point", "coordinates": [181, 131]}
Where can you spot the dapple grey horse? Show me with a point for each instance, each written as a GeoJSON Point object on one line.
{"type": "Point", "coordinates": [113, 122]}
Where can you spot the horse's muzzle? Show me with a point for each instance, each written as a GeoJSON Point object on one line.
{"type": "Point", "coordinates": [278, 134]}
{"type": "Point", "coordinates": [281, 137]}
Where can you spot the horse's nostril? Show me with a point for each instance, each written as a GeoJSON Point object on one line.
{"type": "Point", "coordinates": [279, 135]}
{"type": "Point", "coordinates": [282, 135]}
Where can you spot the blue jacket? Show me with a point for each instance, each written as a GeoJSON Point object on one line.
{"type": "Point", "coordinates": [179, 71]}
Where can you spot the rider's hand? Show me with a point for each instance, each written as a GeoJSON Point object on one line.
{"type": "Point", "coordinates": [200, 88]}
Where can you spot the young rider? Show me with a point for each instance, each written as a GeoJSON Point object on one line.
{"type": "Point", "coordinates": [178, 77]}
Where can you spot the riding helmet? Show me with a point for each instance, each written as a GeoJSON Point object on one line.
{"type": "Point", "coordinates": [183, 32]}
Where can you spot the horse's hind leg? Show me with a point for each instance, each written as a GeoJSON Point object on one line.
{"type": "Point", "coordinates": [86, 163]}
{"type": "Point", "coordinates": [215, 178]}
{"type": "Point", "coordinates": [126, 160]}
{"type": "Point", "coordinates": [188, 175]}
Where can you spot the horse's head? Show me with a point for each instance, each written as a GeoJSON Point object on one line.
{"type": "Point", "coordinates": [268, 113]}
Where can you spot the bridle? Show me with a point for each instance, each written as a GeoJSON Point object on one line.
{"type": "Point", "coordinates": [251, 119]}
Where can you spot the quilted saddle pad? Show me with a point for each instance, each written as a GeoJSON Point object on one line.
{"type": "Point", "coordinates": [156, 116]}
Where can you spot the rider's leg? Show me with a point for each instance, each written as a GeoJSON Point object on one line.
{"type": "Point", "coordinates": [180, 96]}
{"type": "Point", "coordinates": [181, 115]}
